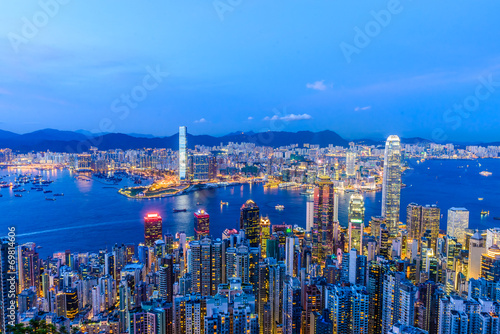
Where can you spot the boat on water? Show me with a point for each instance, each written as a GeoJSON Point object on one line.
{"type": "Point", "coordinates": [61, 194]}
{"type": "Point", "coordinates": [18, 195]}
{"type": "Point", "coordinates": [496, 218]}
{"type": "Point", "coordinates": [179, 210]}
{"type": "Point", "coordinates": [224, 203]}
{"type": "Point", "coordinates": [280, 207]}
{"type": "Point", "coordinates": [485, 213]}
{"type": "Point", "coordinates": [485, 173]}
{"type": "Point", "coordinates": [49, 199]}
{"type": "Point", "coordinates": [47, 191]}
{"type": "Point", "coordinates": [480, 199]}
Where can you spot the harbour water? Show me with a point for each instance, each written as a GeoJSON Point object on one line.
{"type": "Point", "coordinates": [92, 215]}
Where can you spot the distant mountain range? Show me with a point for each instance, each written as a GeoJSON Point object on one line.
{"type": "Point", "coordinates": [81, 140]}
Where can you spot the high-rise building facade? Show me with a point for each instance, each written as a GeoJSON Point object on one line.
{"type": "Point", "coordinates": [201, 224]}
{"type": "Point", "coordinates": [250, 222]}
{"type": "Point", "coordinates": [205, 266]}
{"type": "Point", "coordinates": [458, 221]}
{"type": "Point", "coordinates": [356, 219]}
{"type": "Point", "coordinates": [391, 186]}
{"type": "Point", "coordinates": [265, 233]}
{"type": "Point", "coordinates": [29, 267]}
{"type": "Point", "coordinates": [413, 220]}
{"type": "Point", "coordinates": [490, 264]}
{"type": "Point", "coordinates": [431, 217]}
{"type": "Point", "coordinates": [323, 225]}
{"type": "Point", "coordinates": [152, 229]}
{"type": "Point", "coordinates": [182, 153]}
{"type": "Point", "coordinates": [200, 167]}
{"type": "Point", "coordinates": [350, 163]}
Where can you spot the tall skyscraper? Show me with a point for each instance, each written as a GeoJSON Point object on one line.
{"type": "Point", "coordinates": [356, 222]}
{"type": "Point", "coordinates": [201, 224]}
{"type": "Point", "coordinates": [265, 233]}
{"type": "Point", "coordinates": [458, 221]}
{"type": "Point", "coordinates": [309, 215]}
{"type": "Point", "coordinates": [431, 217]}
{"type": "Point", "coordinates": [29, 267]}
{"type": "Point", "coordinates": [292, 308]}
{"type": "Point", "coordinates": [391, 186]}
{"type": "Point", "coordinates": [152, 229]}
{"type": "Point", "coordinates": [250, 222]}
{"type": "Point", "coordinates": [413, 220]}
{"type": "Point", "coordinates": [206, 266]}
{"type": "Point", "coordinates": [350, 163]}
{"type": "Point", "coordinates": [182, 152]}
{"type": "Point", "coordinates": [476, 250]}
{"type": "Point", "coordinates": [324, 213]}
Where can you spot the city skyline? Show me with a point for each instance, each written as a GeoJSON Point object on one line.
{"type": "Point", "coordinates": [306, 239]}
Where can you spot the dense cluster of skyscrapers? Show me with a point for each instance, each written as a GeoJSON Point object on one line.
{"type": "Point", "coordinates": [366, 275]}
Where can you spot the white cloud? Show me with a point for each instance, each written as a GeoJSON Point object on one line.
{"type": "Point", "coordinates": [288, 118]}
{"type": "Point", "coordinates": [201, 120]}
{"type": "Point", "coordinates": [362, 108]}
{"type": "Point", "coordinates": [317, 85]}
{"type": "Point", "coordinates": [250, 118]}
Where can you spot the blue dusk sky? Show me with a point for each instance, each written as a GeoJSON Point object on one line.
{"type": "Point", "coordinates": [364, 69]}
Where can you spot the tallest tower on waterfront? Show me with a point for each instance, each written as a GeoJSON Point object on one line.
{"type": "Point", "coordinates": [391, 186]}
{"type": "Point", "coordinates": [182, 152]}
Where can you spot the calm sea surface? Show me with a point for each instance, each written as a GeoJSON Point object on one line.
{"type": "Point", "coordinates": [91, 216]}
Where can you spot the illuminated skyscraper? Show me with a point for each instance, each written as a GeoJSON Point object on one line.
{"type": "Point", "coordinates": [323, 225]}
{"type": "Point", "coordinates": [201, 224]}
{"type": "Point", "coordinates": [206, 266]}
{"type": "Point", "coordinates": [71, 303]}
{"type": "Point", "coordinates": [458, 221]}
{"type": "Point", "coordinates": [356, 222]}
{"type": "Point", "coordinates": [309, 215]}
{"type": "Point", "coordinates": [350, 163]}
{"type": "Point", "coordinates": [490, 264]}
{"type": "Point", "coordinates": [265, 233]}
{"type": "Point", "coordinates": [212, 167]}
{"type": "Point", "coordinates": [182, 152]}
{"type": "Point", "coordinates": [29, 267]}
{"type": "Point", "coordinates": [152, 229]}
{"type": "Point", "coordinates": [250, 222]}
{"type": "Point", "coordinates": [431, 216]}
{"type": "Point", "coordinates": [391, 186]}
{"type": "Point", "coordinates": [292, 308]}
{"type": "Point", "coordinates": [413, 220]}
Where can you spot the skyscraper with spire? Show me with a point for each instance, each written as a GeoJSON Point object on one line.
{"type": "Point", "coordinates": [391, 186]}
